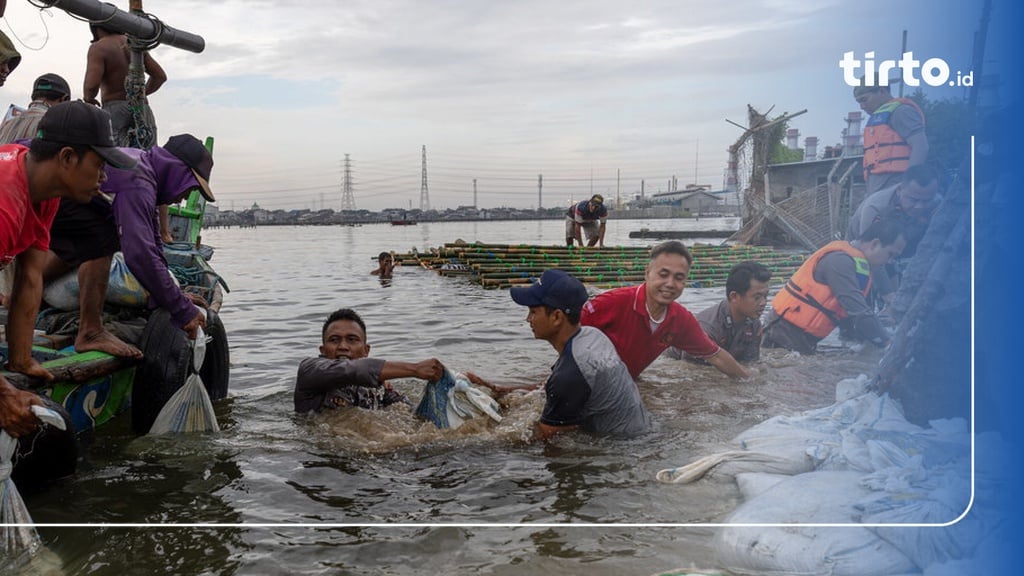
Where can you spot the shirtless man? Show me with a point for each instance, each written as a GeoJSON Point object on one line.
{"type": "Point", "coordinates": [105, 72]}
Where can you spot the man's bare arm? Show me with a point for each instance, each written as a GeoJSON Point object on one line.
{"type": "Point", "coordinates": [727, 365]}
{"type": "Point", "coordinates": [95, 67]}
{"type": "Point", "coordinates": [156, 74]}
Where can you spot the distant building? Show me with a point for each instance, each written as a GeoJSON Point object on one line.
{"type": "Point", "coordinates": [694, 199]}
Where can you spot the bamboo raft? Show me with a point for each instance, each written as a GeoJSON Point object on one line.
{"type": "Point", "coordinates": [505, 265]}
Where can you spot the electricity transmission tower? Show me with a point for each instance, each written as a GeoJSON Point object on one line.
{"type": "Point", "coordinates": [348, 202]}
{"type": "Point", "coordinates": [424, 194]}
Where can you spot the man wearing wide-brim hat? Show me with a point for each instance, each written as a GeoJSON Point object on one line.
{"type": "Point", "coordinates": [88, 235]}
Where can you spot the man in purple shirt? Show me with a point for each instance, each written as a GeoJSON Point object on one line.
{"type": "Point", "coordinates": [87, 235]}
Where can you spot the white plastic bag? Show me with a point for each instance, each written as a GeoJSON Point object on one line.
{"type": "Point", "coordinates": [190, 408]}
{"type": "Point", "coordinates": [19, 540]}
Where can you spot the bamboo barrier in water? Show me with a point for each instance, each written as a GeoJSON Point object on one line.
{"type": "Point", "coordinates": [504, 265]}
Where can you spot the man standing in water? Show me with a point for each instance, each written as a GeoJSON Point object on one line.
{"type": "Point", "coordinates": [385, 266]}
{"type": "Point", "coordinates": [589, 386]}
{"type": "Point", "coordinates": [344, 375]}
{"type": "Point", "coordinates": [735, 322]}
{"type": "Point", "coordinates": [106, 68]}
{"type": "Point", "coordinates": [643, 321]}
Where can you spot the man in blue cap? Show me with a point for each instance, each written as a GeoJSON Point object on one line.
{"type": "Point", "coordinates": [589, 387]}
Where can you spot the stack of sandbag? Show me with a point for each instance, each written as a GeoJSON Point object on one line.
{"type": "Point", "coordinates": [856, 463]}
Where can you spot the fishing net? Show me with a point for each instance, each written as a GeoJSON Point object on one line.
{"type": "Point", "coordinates": [189, 409]}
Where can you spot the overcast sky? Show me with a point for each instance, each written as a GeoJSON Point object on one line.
{"type": "Point", "coordinates": [496, 91]}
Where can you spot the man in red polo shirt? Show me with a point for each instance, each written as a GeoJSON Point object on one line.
{"type": "Point", "coordinates": [642, 321]}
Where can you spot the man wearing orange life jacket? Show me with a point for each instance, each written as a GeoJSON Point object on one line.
{"type": "Point", "coordinates": [894, 137]}
{"type": "Point", "coordinates": [830, 289]}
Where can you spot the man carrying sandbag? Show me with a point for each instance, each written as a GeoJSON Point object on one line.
{"type": "Point", "coordinates": [88, 235]}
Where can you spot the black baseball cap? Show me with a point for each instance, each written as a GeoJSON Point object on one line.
{"type": "Point", "coordinates": [556, 289]}
{"type": "Point", "coordinates": [83, 124]}
{"type": "Point", "coordinates": [191, 151]}
{"type": "Point", "coordinates": [52, 83]}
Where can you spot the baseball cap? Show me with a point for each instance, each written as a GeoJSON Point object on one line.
{"type": "Point", "coordinates": [191, 151]}
{"type": "Point", "coordinates": [556, 289]}
{"type": "Point", "coordinates": [52, 83]}
{"type": "Point", "coordinates": [597, 199]}
{"type": "Point", "coordinates": [84, 125]}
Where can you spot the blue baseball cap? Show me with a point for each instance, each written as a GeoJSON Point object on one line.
{"type": "Point", "coordinates": [556, 289]}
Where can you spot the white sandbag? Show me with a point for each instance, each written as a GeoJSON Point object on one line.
{"type": "Point", "coordinates": [733, 462]}
{"type": "Point", "coordinates": [752, 484]}
{"type": "Point", "coordinates": [815, 497]}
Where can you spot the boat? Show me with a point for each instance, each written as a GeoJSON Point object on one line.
{"type": "Point", "coordinates": [403, 222]}
{"type": "Point", "coordinates": [679, 234]}
{"type": "Point", "coordinates": [91, 389]}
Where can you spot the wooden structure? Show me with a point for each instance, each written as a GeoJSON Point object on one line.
{"type": "Point", "coordinates": [808, 216]}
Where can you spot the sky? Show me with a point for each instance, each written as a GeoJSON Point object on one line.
{"type": "Point", "coordinates": [594, 96]}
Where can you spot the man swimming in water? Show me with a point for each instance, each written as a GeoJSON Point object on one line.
{"type": "Point", "coordinates": [385, 265]}
{"type": "Point", "coordinates": [343, 375]}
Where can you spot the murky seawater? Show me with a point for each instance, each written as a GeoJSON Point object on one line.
{"type": "Point", "coordinates": [360, 468]}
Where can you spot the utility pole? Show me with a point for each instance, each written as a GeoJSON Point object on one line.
{"type": "Point", "coordinates": [540, 189]}
{"type": "Point", "coordinates": [474, 195]}
{"type": "Point", "coordinates": [696, 161]}
{"type": "Point", "coordinates": [618, 187]}
{"type": "Point", "coordinates": [424, 194]}
{"type": "Point", "coordinates": [348, 202]}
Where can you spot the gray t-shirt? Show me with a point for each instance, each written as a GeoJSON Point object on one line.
{"type": "Point", "coordinates": [325, 383]}
{"type": "Point", "coordinates": [590, 387]}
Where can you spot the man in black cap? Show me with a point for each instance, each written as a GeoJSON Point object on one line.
{"type": "Point", "coordinates": [88, 235]}
{"type": "Point", "coordinates": [47, 91]}
{"type": "Point", "coordinates": [590, 216]}
{"type": "Point", "coordinates": [66, 160]}
{"type": "Point", "coordinates": [589, 387]}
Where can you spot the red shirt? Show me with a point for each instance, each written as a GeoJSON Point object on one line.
{"type": "Point", "coordinates": [622, 315]}
{"type": "Point", "coordinates": [23, 224]}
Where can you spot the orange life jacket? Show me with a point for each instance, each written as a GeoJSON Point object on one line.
{"type": "Point", "coordinates": [809, 304]}
{"type": "Point", "coordinates": [884, 150]}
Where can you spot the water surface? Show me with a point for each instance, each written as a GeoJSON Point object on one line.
{"type": "Point", "coordinates": [357, 467]}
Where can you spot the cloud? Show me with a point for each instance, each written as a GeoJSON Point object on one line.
{"type": "Point", "coordinates": [511, 88]}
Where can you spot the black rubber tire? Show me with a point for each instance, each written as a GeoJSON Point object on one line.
{"type": "Point", "coordinates": [216, 368]}
{"type": "Point", "coordinates": [166, 358]}
{"type": "Point", "coordinates": [47, 454]}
